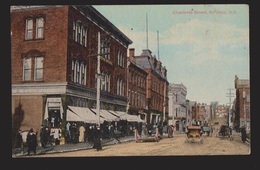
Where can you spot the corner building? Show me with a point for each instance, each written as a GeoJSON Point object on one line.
{"type": "Point", "coordinates": [54, 63]}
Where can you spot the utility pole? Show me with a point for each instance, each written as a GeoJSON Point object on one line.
{"type": "Point", "coordinates": [147, 32]}
{"type": "Point", "coordinates": [98, 80]}
{"type": "Point", "coordinates": [230, 95]}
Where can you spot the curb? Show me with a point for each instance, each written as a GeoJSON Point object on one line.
{"type": "Point", "coordinates": [52, 150]}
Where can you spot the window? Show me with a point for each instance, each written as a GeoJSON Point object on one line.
{"type": "Point", "coordinates": [29, 29]}
{"type": "Point", "coordinates": [105, 47]}
{"type": "Point", "coordinates": [79, 33]}
{"type": "Point", "coordinates": [105, 82]}
{"type": "Point", "coordinates": [38, 68]}
{"type": "Point", "coordinates": [78, 39]}
{"type": "Point", "coordinates": [83, 74]}
{"type": "Point", "coordinates": [33, 66]}
{"type": "Point", "coordinates": [27, 66]}
{"type": "Point", "coordinates": [39, 27]}
{"type": "Point", "coordinates": [84, 36]}
{"type": "Point", "coordinates": [119, 87]}
{"type": "Point", "coordinates": [74, 31]}
{"type": "Point", "coordinates": [79, 72]}
{"type": "Point", "coordinates": [120, 59]}
{"type": "Point", "coordinates": [72, 71]}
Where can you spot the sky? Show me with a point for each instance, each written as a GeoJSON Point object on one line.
{"type": "Point", "coordinates": [202, 46]}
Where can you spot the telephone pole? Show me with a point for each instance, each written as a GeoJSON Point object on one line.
{"type": "Point", "coordinates": [230, 95]}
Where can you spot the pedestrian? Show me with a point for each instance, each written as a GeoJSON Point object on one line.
{"type": "Point", "coordinates": [81, 133]}
{"type": "Point", "coordinates": [43, 136]}
{"type": "Point", "coordinates": [230, 130]}
{"type": "Point", "coordinates": [31, 142]}
{"type": "Point", "coordinates": [90, 134]}
{"type": "Point", "coordinates": [97, 138]}
{"type": "Point", "coordinates": [157, 132]}
{"type": "Point", "coordinates": [136, 134]}
{"type": "Point", "coordinates": [243, 133]}
{"type": "Point", "coordinates": [111, 131]}
{"type": "Point", "coordinates": [18, 139]}
{"type": "Point", "coordinates": [68, 131]}
{"type": "Point", "coordinates": [170, 131]}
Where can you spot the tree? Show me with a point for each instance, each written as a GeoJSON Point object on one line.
{"type": "Point", "coordinates": [17, 120]}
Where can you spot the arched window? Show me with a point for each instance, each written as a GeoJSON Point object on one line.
{"type": "Point", "coordinates": [120, 87]}
{"type": "Point", "coordinates": [72, 71]}
{"type": "Point", "coordinates": [27, 66]}
{"type": "Point", "coordinates": [29, 29]}
{"type": "Point", "coordinates": [39, 27]}
{"type": "Point", "coordinates": [82, 74]}
{"type": "Point", "coordinates": [77, 71]}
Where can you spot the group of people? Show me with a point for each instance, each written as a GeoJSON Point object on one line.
{"type": "Point", "coordinates": [49, 136]}
{"type": "Point", "coordinates": [27, 139]}
{"type": "Point", "coordinates": [91, 134]}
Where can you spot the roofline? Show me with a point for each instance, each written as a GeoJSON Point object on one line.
{"type": "Point", "coordinates": [103, 21]}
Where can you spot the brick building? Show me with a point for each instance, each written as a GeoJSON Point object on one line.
{"type": "Point", "coordinates": [156, 88]}
{"type": "Point", "coordinates": [136, 87]}
{"type": "Point", "coordinates": [242, 103]}
{"type": "Point", "coordinates": [54, 62]}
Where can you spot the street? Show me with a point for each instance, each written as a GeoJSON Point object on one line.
{"type": "Point", "coordinates": [175, 146]}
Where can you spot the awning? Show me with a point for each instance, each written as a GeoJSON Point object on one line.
{"type": "Point", "coordinates": [128, 117]}
{"type": "Point", "coordinates": [82, 114]}
{"type": "Point", "coordinates": [106, 115]}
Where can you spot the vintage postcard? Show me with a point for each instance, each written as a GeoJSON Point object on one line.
{"type": "Point", "coordinates": [130, 80]}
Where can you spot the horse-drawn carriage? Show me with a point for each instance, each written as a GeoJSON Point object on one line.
{"type": "Point", "coordinates": [225, 132]}
{"type": "Point", "coordinates": [194, 134]}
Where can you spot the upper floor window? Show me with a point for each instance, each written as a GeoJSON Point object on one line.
{"type": "Point", "coordinates": [30, 70]}
{"type": "Point", "coordinates": [38, 68]}
{"type": "Point", "coordinates": [120, 87]}
{"type": "Point", "coordinates": [105, 82]}
{"type": "Point", "coordinates": [120, 59]}
{"type": "Point", "coordinates": [38, 29]}
{"type": "Point", "coordinates": [105, 47]}
{"type": "Point", "coordinates": [79, 33]}
{"type": "Point", "coordinates": [79, 71]}
{"type": "Point", "coordinates": [29, 29]}
{"type": "Point", "coordinates": [27, 68]}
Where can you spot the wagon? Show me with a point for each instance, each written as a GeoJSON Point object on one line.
{"type": "Point", "coordinates": [225, 132]}
{"type": "Point", "coordinates": [194, 134]}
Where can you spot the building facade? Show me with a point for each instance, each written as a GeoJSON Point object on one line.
{"type": "Point", "coordinates": [54, 53]}
{"type": "Point", "coordinates": [242, 105]}
{"type": "Point", "coordinates": [179, 107]}
{"type": "Point", "coordinates": [156, 88]}
{"type": "Point", "coordinates": [136, 76]}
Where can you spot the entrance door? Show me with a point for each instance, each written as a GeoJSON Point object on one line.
{"type": "Point", "coordinates": [54, 117]}
{"type": "Point", "coordinates": [177, 125]}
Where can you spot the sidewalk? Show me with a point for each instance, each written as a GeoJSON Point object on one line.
{"type": "Point", "coordinates": [73, 146]}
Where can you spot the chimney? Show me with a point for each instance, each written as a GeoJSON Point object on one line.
{"type": "Point", "coordinates": [131, 52]}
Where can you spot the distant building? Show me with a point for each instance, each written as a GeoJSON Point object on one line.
{"type": "Point", "coordinates": [178, 106]}
{"type": "Point", "coordinates": [222, 110]}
